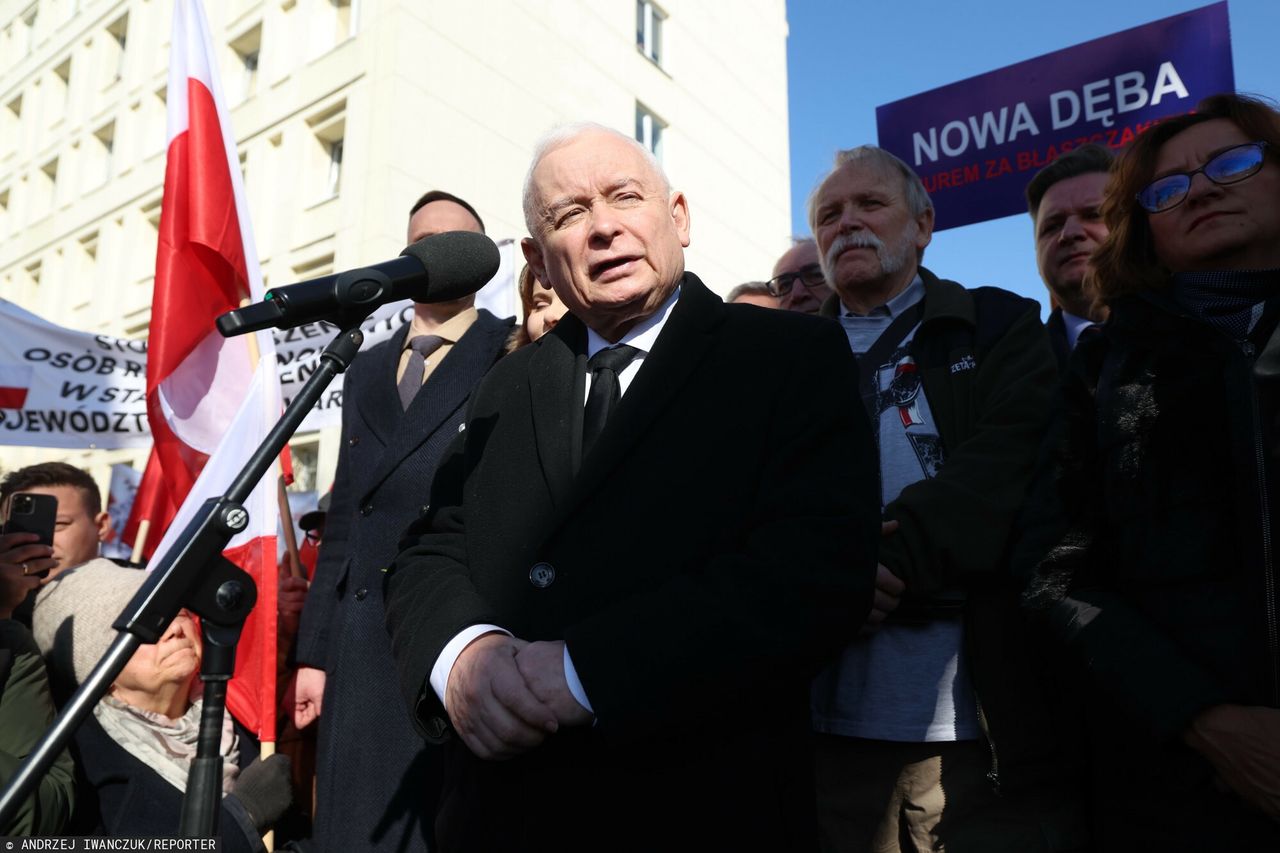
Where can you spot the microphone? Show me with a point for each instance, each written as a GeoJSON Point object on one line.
{"type": "Point", "coordinates": [438, 268]}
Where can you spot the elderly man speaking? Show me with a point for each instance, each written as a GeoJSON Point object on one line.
{"type": "Point", "coordinates": [658, 522]}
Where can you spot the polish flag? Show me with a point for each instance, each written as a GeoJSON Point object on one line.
{"type": "Point", "coordinates": [15, 380]}
{"type": "Point", "coordinates": [211, 400]}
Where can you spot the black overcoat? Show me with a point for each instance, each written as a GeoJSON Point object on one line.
{"type": "Point", "coordinates": [374, 773]}
{"type": "Point", "coordinates": [713, 550]}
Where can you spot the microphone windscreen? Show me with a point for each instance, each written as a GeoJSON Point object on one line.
{"type": "Point", "coordinates": [458, 263]}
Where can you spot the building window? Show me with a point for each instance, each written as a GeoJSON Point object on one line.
{"type": "Point", "coordinates": [649, 130]}
{"type": "Point", "coordinates": [247, 49]}
{"type": "Point", "coordinates": [346, 14]}
{"type": "Point", "coordinates": [330, 129]}
{"type": "Point", "coordinates": [138, 323]}
{"type": "Point", "coordinates": [119, 37]}
{"type": "Point", "coordinates": [27, 30]}
{"type": "Point", "coordinates": [4, 212]}
{"type": "Point", "coordinates": [151, 215]}
{"type": "Point", "coordinates": [106, 143]}
{"type": "Point", "coordinates": [11, 125]}
{"type": "Point", "coordinates": [89, 244]}
{"type": "Point", "coordinates": [61, 92]}
{"type": "Point", "coordinates": [335, 165]}
{"type": "Point", "coordinates": [314, 268]}
{"type": "Point", "coordinates": [649, 20]}
{"type": "Point", "coordinates": [155, 120]}
{"type": "Point", "coordinates": [87, 258]}
{"type": "Point", "coordinates": [47, 181]}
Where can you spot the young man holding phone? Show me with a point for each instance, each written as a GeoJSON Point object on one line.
{"type": "Point", "coordinates": [80, 524]}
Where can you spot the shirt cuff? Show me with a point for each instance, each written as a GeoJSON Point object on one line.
{"type": "Point", "coordinates": [575, 683]}
{"type": "Point", "coordinates": [444, 664]}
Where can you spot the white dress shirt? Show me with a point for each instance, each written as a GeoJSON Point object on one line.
{"type": "Point", "coordinates": [642, 337]}
{"type": "Point", "coordinates": [1074, 326]}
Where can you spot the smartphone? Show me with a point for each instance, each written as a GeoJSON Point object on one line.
{"type": "Point", "coordinates": [32, 513]}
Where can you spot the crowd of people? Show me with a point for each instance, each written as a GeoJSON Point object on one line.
{"type": "Point", "coordinates": [876, 561]}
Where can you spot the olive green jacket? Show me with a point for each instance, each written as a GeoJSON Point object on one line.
{"type": "Point", "coordinates": [26, 710]}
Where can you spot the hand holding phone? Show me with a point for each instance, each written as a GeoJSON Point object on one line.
{"type": "Point", "coordinates": [26, 540]}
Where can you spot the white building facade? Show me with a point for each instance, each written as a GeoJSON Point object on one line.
{"type": "Point", "coordinates": [345, 111]}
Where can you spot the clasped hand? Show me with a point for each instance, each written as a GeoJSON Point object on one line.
{"type": "Point", "coordinates": [505, 696]}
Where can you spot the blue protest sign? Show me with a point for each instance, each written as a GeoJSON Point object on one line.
{"type": "Point", "coordinates": [976, 143]}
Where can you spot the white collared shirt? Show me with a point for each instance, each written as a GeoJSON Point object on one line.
{"type": "Point", "coordinates": [1074, 326]}
{"type": "Point", "coordinates": [642, 337]}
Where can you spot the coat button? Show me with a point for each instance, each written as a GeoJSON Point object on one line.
{"type": "Point", "coordinates": [353, 441]}
{"type": "Point", "coordinates": [361, 593]}
{"type": "Point", "coordinates": [367, 509]}
{"type": "Point", "coordinates": [542, 575]}
{"type": "Point", "coordinates": [424, 509]}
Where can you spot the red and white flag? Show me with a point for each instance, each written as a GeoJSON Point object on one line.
{"type": "Point", "coordinates": [211, 400]}
{"type": "Point", "coordinates": [15, 382]}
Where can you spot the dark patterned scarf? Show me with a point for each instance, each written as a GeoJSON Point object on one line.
{"type": "Point", "coordinates": [1226, 299]}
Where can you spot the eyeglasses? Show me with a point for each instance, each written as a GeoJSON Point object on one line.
{"type": "Point", "coordinates": [1228, 167]}
{"type": "Point", "coordinates": [810, 274]}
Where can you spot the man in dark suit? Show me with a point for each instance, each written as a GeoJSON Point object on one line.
{"type": "Point", "coordinates": [629, 612]}
{"type": "Point", "coordinates": [1065, 202]}
{"type": "Point", "coordinates": [404, 403]}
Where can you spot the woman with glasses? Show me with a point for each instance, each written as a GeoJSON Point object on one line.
{"type": "Point", "coordinates": [1150, 545]}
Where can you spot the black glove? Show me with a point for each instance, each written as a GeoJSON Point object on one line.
{"type": "Point", "coordinates": [265, 789]}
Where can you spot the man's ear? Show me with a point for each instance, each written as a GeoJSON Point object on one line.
{"type": "Point", "coordinates": [533, 257]}
{"type": "Point", "coordinates": [680, 216]}
{"type": "Point", "coordinates": [102, 521]}
{"type": "Point", "coordinates": [924, 222]}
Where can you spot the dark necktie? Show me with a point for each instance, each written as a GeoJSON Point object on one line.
{"type": "Point", "coordinates": [420, 347]}
{"type": "Point", "coordinates": [605, 390]}
{"type": "Point", "coordinates": [1089, 332]}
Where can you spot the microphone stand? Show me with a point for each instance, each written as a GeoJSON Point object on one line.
{"type": "Point", "coordinates": [195, 575]}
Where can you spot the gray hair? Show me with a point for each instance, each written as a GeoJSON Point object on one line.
{"type": "Point", "coordinates": [562, 135]}
{"type": "Point", "coordinates": [757, 288]}
{"type": "Point", "coordinates": [918, 200]}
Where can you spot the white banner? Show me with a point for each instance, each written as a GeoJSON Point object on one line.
{"type": "Point", "coordinates": [74, 389]}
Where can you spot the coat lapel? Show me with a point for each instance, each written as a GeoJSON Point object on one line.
{"type": "Point", "coordinates": [676, 354]}
{"type": "Point", "coordinates": [445, 391]}
{"type": "Point", "coordinates": [377, 400]}
{"type": "Point", "coordinates": [557, 381]}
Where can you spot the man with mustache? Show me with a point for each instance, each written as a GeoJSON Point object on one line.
{"type": "Point", "coordinates": [1065, 202]}
{"type": "Point", "coordinates": [921, 743]}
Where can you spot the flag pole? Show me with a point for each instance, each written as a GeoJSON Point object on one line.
{"type": "Point", "coordinates": [290, 538]}
{"type": "Point", "coordinates": [267, 748]}
{"type": "Point", "coordinates": [140, 540]}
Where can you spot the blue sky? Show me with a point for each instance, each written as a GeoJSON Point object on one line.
{"type": "Point", "coordinates": [845, 58]}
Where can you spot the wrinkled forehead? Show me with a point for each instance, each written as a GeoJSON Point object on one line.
{"type": "Point", "coordinates": [590, 163]}
{"type": "Point", "coordinates": [862, 176]}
